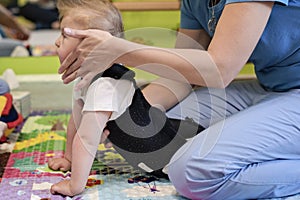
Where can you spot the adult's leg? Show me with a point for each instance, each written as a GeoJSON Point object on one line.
{"type": "Point", "coordinates": [252, 154]}
{"type": "Point", "coordinates": [208, 106]}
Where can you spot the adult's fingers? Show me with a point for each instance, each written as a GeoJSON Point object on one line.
{"type": "Point", "coordinates": [83, 58]}
{"type": "Point", "coordinates": [76, 33]}
{"type": "Point", "coordinates": [70, 64]}
{"type": "Point", "coordinates": [71, 74]}
{"type": "Point", "coordinates": [73, 58]}
{"type": "Point", "coordinates": [81, 34]}
{"type": "Point", "coordinates": [71, 71]}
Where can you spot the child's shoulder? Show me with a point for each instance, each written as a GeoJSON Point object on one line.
{"type": "Point", "coordinates": [116, 71]}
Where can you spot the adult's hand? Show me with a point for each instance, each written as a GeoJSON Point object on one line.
{"type": "Point", "coordinates": [89, 58]}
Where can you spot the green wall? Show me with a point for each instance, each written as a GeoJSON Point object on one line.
{"type": "Point", "coordinates": [156, 28]}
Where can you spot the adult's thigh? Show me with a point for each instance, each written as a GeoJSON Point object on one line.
{"type": "Point", "coordinates": [207, 106]}
{"type": "Point", "coordinates": [229, 150]}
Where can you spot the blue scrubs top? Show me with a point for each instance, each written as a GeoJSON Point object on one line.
{"type": "Point", "coordinates": [277, 54]}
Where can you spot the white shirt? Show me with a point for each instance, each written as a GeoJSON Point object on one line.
{"type": "Point", "coordinates": [106, 94]}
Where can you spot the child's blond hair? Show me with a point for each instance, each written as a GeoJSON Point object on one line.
{"type": "Point", "coordinates": [103, 14]}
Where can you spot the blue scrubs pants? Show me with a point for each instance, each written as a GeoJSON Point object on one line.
{"type": "Point", "coordinates": [250, 149]}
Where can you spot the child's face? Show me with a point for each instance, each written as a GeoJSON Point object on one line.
{"type": "Point", "coordinates": [66, 44]}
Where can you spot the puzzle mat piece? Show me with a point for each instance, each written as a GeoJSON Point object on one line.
{"type": "Point", "coordinates": [24, 164]}
{"type": "Point", "coordinates": [40, 141]}
{"type": "Point", "coordinates": [44, 122]}
{"type": "Point", "coordinates": [114, 187]}
{"type": "Point", "coordinates": [30, 125]}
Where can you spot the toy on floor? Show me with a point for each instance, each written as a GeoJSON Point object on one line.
{"type": "Point", "coordinates": [9, 118]}
{"type": "Point", "coordinates": [91, 182]}
{"type": "Point", "coordinates": [145, 179]}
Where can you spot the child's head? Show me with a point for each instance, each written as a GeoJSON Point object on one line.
{"type": "Point", "coordinates": [86, 14]}
{"type": "Point", "coordinates": [98, 14]}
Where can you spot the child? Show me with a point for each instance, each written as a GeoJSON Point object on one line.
{"type": "Point", "coordinates": [112, 101]}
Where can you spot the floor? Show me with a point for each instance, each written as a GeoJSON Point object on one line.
{"type": "Point", "coordinates": [47, 92]}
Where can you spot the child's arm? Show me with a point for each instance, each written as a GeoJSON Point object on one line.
{"type": "Point", "coordinates": [64, 164]}
{"type": "Point", "coordinates": [73, 126]}
{"type": "Point", "coordinates": [85, 145]}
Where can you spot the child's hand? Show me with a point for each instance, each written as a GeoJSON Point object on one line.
{"type": "Point", "coordinates": [63, 187]}
{"type": "Point", "coordinates": [104, 139]}
{"type": "Point", "coordinates": [59, 164]}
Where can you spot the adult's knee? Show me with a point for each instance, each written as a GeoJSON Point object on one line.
{"type": "Point", "coordinates": [196, 177]}
{"type": "Point", "coordinates": [177, 172]}
{"type": "Point", "coordinates": [196, 182]}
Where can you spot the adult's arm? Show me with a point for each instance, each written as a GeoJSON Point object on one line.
{"type": "Point", "coordinates": [171, 91]}
{"type": "Point", "coordinates": [237, 33]}
{"type": "Point", "coordinates": [8, 20]}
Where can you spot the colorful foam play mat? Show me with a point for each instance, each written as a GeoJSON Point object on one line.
{"type": "Point", "coordinates": [42, 137]}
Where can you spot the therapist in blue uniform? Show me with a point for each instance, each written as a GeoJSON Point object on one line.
{"type": "Point", "coordinates": [250, 148]}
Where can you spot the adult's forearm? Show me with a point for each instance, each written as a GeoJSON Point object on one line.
{"type": "Point", "coordinates": [6, 18]}
{"type": "Point", "coordinates": [192, 65]}
{"type": "Point", "coordinates": [170, 93]}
